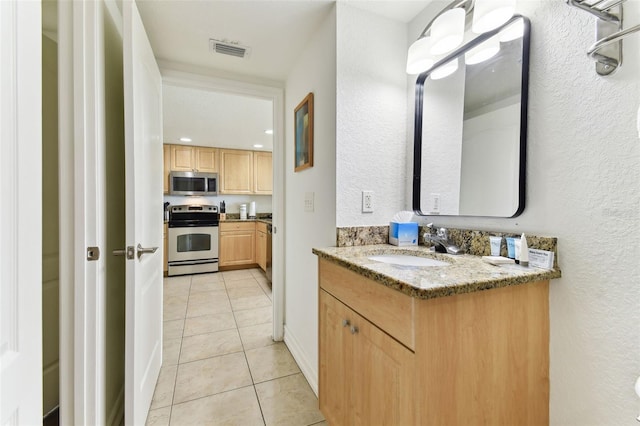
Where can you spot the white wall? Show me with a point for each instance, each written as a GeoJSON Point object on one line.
{"type": "Point", "coordinates": [371, 115]}
{"type": "Point", "coordinates": [314, 71]}
{"type": "Point", "coordinates": [583, 178]}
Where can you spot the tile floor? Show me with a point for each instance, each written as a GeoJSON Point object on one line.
{"type": "Point", "coordinates": [220, 365]}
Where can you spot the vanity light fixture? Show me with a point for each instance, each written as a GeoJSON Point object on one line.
{"type": "Point", "coordinates": [483, 51]}
{"type": "Point", "coordinates": [490, 14]}
{"type": "Point", "coordinates": [447, 33]}
{"type": "Point", "coordinates": [183, 139]}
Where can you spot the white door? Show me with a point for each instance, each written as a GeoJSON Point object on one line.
{"type": "Point", "coordinates": [144, 216]}
{"type": "Point", "coordinates": [21, 214]}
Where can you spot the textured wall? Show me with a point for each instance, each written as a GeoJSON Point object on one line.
{"type": "Point", "coordinates": [370, 115]}
{"type": "Point", "coordinates": [314, 71]}
{"type": "Point", "coordinates": [583, 183]}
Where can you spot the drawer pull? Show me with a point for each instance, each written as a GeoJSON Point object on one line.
{"type": "Point", "coordinates": [346, 323]}
{"type": "Point", "coordinates": [354, 329]}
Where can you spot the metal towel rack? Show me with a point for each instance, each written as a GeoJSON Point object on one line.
{"type": "Point", "coordinates": [607, 50]}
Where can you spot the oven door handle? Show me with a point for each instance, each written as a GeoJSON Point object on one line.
{"type": "Point", "coordinates": [145, 250]}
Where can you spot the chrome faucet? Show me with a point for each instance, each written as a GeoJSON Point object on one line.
{"type": "Point", "coordinates": [440, 241]}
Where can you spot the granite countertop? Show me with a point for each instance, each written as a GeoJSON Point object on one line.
{"type": "Point", "coordinates": [267, 221]}
{"type": "Point", "coordinates": [465, 274]}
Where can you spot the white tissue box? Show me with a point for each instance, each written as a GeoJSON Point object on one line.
{"type": "Point", "coordinates": [403, 234]}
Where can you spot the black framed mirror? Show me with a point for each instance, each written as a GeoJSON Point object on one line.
{"type": "Point", "coordinates": [470, 127]}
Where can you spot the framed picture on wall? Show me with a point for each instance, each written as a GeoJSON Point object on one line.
{"type": "Point", "coordinates": [303, 119]}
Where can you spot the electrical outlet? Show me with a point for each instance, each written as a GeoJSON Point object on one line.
{"type": "Point", "coordinates": [308, 201]}
{"type": "Point", "coordinates": [367, 201]}
{"type": "Point", "coordinates": [435, 203]}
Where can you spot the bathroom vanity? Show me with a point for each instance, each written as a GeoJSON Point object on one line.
{"type": "Point", "coordinates": [466, 343]}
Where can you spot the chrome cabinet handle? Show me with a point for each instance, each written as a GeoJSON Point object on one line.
{"type": "Point", "coordinates": [354, 329]}
{"type": "Point", "coordinates": [346, 323]}
{"type": "Point", "coordinates": [143, 250]}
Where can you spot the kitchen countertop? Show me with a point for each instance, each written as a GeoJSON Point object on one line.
{"type": "Point", "coordinates": [267, 221]}
{"type": "Point", "coordinates": [465, 274]}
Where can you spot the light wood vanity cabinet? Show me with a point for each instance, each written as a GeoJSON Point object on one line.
{"type": "Point", "coordinates": [474, 358]}
{"type": "Point", "coordinates": [237, 243]}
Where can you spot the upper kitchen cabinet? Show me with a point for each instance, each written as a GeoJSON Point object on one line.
{"type": "Point", "coordinates": [194, 159]}
{"type": "Point", "coordinates": [262, 173]}
{"type": "Point", "coordinates": [236, 171]}
{"type": "Point", "coordinates": [167, 167]}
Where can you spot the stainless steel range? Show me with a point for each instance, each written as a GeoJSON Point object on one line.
{"type": "Point", "coordinates": [193, 240]}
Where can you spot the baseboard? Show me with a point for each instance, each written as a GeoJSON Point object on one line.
{"type": "Point", "coordinates": [309, 371]}
{"type": "Point", "coordinates": [116, 416]}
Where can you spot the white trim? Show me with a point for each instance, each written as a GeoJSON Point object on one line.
{"type": "Point", "coordinates": [276, 95]}
{"type": "Point", "coordinates": [309, 371]}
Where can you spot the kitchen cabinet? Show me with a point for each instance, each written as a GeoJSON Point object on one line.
{"type": "Point", "coordinates": [261, 245]}
{"type": "Point", "coordinates": [236, 171]}
{"type": "Point", "coordinates": [165, 253]}
{"type": "Point", "coordinates": [185, 158]}
{"type": "Point", "coordinates": [388, 358]}
{"type": "Point", "coordinates": [166, 149]}
{"type": "Point", "coordinates": [237, 243]}
{"type": "Point", "coordinates": [262, 173]}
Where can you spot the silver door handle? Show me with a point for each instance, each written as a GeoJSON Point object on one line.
{"type": "Point", "coordinates": [143, 250]}
{"type": "Point", "coordinates": [129, 252]}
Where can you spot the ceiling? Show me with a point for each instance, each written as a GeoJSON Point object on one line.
{"type": "Point", "coordinates": [276, 31]}
{"type": "Point", "coordinates": [216, 119]}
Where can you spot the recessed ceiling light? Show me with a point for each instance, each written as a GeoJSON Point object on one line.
{"type": "Point", "coordinates": [269, 131]}
{"type": "Point", "coordinates": [257, 145]}
{"type": "Point", "coordinates": [185, 139]}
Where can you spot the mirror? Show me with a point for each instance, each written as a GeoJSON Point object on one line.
{"type": "Point", "coordinates": [470, 127]}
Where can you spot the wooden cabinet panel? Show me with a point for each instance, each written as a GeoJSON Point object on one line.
{"type": "Point", "coordinates": [166, 149]}
{"type": "Point", "coordinates": [237, 244]}
{"type": "Point", "coordinates": [261, 249]}
{"type": "Point", "coordinates": [206, 159]}
{"type": "Point", "coordinates": [366, 377]}
{"type": "Point", "coordinates": [262, 172]}
{"type": "Point", "coordinates": [182, 158]}
{"type": "Point", "coordinates": [236, 172]}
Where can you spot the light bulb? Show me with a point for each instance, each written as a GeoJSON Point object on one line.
{"type": "Point", "coordinates": [485, 50]}
{"type": "Point", "coordinates": [445, 70]}
{"type": "Point", "coordinates": [513, 31]}
{"type": "Point", "coordinates": [447, 31]}
{"type": "Point", "coordinates": [419, 59]}
{"type": "Point", "coordinates": [490, 14]}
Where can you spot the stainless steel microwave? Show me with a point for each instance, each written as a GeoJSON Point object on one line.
{"type": "Point", "coordinates": [193, 183]}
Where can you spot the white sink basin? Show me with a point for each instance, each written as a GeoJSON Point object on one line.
{"type": "Point", "coordinates": [407, 260]}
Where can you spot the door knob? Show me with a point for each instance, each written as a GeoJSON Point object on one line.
{"type": "Point", "coordinates": [144, 250]}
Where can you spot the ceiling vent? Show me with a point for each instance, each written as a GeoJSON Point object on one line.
{"type": "Point", "coordinates": [230, 48]}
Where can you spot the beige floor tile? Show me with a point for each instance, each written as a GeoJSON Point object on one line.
{"type": "Point", "coordinates": [250, 302]}
{"type": "Point", "coordinates": [207, 286]}
{"type": "Point", "coordinates": [209, 296]}
{"type": "Point", "coordinates": [171, 351]}
{"type": "Point", "coordinates": [206, 278]}
{"type": "Point", "coordinates": [257, 272]}
{"type": "Point", "coordinates": [271, 362]}
{"type": "Point", "coordinates": [266, 287]}
{"type": "Point", "coordinates": [159, 417]}
{"type": "Point", "coordinates": [256, 336]}
{"type": "Point", "coordinates": [256, 316]}
{"type": "Point", "coordinates": [176, 286]}
{"type": "Point", "coordinates": [211, 376]}
{"type": "Point", "coordinates": [199, 307]}
{"type": "Point", "coordinates": [288, 401]}
{"type": "Point", "coordinates": [237, 293]}
{"type": "Point", "coordinates": [236, 275]}
{"type": "Point", "coordinates": [246, 282]}
{"type": "Point", "coordinates": [238, 407]}
{"type": "Point", "coordinates": [209, 323]}
{"type": "Point", "coordinates": [163, 395]}
{"type": "Point", "coordinates": [174, 307]}
{"type": "Point", "coordinates": [172, 329]}
{"type": "Point", "coordinates": [209, 345]}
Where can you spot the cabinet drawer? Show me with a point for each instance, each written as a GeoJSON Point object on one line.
{"type": "Point", "coordinates": [237, 226]}
{"type": "Point", "coordinates": [261, 227]}
{"type": "Point", "coordinates": [388, 309]}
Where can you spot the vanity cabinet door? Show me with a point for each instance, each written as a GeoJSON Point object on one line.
{"type": "Point", "coordinates": [366, 377]}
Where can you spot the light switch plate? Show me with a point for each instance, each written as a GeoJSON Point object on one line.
{"type": "Point", "coordinates": [308, 201]}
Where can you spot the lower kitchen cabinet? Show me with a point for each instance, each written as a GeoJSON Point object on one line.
{"type": "Point", "coordinates": [261, 245]}
{"type": "Point", "coordinates": [165, 264]}
{"type": "Point", "coordinates": [237, 243]}
{"type": "Point", "coordinates": [366, 377]}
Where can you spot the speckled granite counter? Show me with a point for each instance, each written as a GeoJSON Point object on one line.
{"type": "Point", "coordinates": [465, 274]}
{"type": "Point", "coordinates": [267, 221]}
